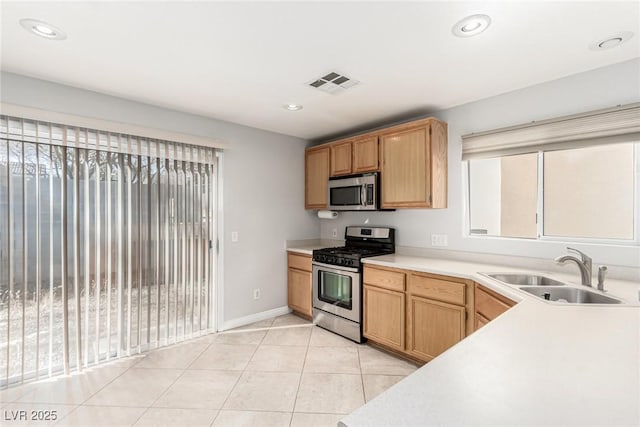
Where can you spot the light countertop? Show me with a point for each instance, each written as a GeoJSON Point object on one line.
{"type": "Point", "coordinates": [305, 249]}
{"type": "Point", "coordinates": [539, 363]}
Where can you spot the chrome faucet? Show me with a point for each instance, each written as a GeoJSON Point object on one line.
{"type": "Point", "coordinates": [584, 264]}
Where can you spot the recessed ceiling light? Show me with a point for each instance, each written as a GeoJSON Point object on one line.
{"type": "Point", "coordinates": [471, 25]}
{"type": "Point", "coordinates": [292, 107]}
{"type": "Point", "coordinates": [611, 41]}
{"type": "Point", "coordinates": [43, 29]}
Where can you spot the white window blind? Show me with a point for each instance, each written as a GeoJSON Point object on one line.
{"type": "Point", "coordinates": [105, 246]}
{"type": "Point", "coordinates": [613, 125]}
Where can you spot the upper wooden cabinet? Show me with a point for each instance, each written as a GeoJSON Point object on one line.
{"type": "Point", "coordinates": [414, 165]}
{"type": "Point", "coordinates": [341, 158]}
{"type": "Point", "coordinates": [357, 155]}
{"type": "Point", "coordinates": [411, 159]}
{"type": "Point", "coordinates": [316, 177]}
{"type": "Point", "coordinates": [365, 154]}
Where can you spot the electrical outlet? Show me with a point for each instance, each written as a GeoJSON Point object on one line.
{"type": "Point", "coordinates": [334, 232]}
{"type": "Point", "coordinates": [439, 240]}
{"type": "Point", "coordinates": [256, 294]}
{"type": "Point", "coordinates": [234, 236]}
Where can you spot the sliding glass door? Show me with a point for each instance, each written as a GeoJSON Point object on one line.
{"type": "Point", "coordinates": [105, 246]}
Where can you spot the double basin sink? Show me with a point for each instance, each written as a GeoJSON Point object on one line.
{"type": "Point", "coordinates": [552, 290]}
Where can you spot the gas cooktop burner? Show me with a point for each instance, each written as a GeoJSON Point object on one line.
{"type": "Point", "coordinates": [360, 242]}
{"type": "Point", "coordinates": [348, 250]}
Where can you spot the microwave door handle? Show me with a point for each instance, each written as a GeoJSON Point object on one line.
{"type": "Point", "coordinates": [363, 195]}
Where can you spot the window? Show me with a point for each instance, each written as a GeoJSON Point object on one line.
{"type": "Point", "coordinates": [583, 193]}
{"type": "Point", "coordinates": [568, 178]}
{"type": "Point", "coordinates": [105, 246]}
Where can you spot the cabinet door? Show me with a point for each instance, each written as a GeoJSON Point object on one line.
{"type": "Point", "coordinates": [433, 327]}
{"type": "Point", "coordinates": [490, 305]}
{"type": "Point", "coordinates": [299, 293]}
{"type": "Point", "coordinates": [384, 317]}
{"type": "Point", "coordinates": [480, 321]}
{"type": "Point", "coordinates": [316, 178]}
{"type": "Point", "coordinates": [341, 158]}
{"type": "Point", "coordinates": [365, 155]}
{"type": "Point", "coordinates": [405, 172]}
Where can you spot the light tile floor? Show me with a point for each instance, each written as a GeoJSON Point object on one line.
{"type": "Point", "coordinates": [277, 372]}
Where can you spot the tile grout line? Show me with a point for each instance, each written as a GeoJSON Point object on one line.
{"type": "Point", "coordinates": [78, 405]}
{"type": "Point", "coordinates": [364, 394]}
{"type": "Point", "coordinates": [83, 403]}
{"type": "Point", "coordinates": [306, 354]}
{"type": "Point", "coordinates": [239, 376]}
{"type": "Point", "coordinates": [172, 384]}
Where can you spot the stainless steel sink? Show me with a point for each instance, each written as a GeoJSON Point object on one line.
{"type": "Point", "coordinates": [520, 279]}
{"type": "Point", "coordinates": [569, 295]}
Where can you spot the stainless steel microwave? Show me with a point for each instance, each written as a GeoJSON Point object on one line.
{"type": "Point", "coordinates": [354, 193]}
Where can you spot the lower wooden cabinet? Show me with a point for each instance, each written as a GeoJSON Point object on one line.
{"type": "Point", "coordinates": [417, 314]}
{"type": "Point", "coordinates": [384, 316]}
{"type": "Point", "coordinates": [480, 321]}
{"type": "Point", "coordinates": [299, 292]}
{"type": "Point", "coordinates": [489, 305]}
{"type": "Point", "coordinates": [433, 327]}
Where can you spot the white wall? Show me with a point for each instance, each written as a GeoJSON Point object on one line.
{"type": "Point", "coordinates": [599, 88]}
{"type": "Point", "coordinates": [263, 185]}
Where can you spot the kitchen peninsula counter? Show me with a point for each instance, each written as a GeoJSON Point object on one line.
{"type": "Point", "coordinates": [539, 363]}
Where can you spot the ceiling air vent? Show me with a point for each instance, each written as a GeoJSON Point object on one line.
{"type": "Point", "coordinates": [333, 83]}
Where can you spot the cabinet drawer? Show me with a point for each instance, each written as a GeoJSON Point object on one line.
{"type": "Point", "coordinates": [301, 262]}
{"type": "Point", "coordinates": [490, 305]}
{"type": "Point", "coordinates": [437, 289]}
{"type": "Point", "coordinates": [387, 279]}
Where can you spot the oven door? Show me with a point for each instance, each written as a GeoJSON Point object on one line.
{"type": "Point", "coordinates": [336, 290]}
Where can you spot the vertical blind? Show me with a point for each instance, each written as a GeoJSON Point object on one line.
{"type": "Point", "coordinates": [105, 246]}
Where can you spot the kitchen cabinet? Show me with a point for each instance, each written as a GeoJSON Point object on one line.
{"type": "Point", "coordinates": [414, 165]}
{"type": "Point", "coordinates": [383, 316]}
{"type": "Point", "coordinates": [411, 159]}
{"type": "Point", "coordinates": [352, 156]}
{"type": "Point", "coordinates": [316, 177]}
{"type": "Point", "coordinates": [299, 276]}
{"type": "Point", "coordinates": [341, 158]}
{"type": "Point", "coordinates": [489, 305]}
{"type": "Point", "coordinates": [384, 307]}
{"type": "Point", "coordinates": [436, 314]}
{"type": "Point", "coordinates": [365, 154]}
{"type": "Point", "coordinates": [433, 327]}
{"type": "Point", "coordinates": [416, 314]}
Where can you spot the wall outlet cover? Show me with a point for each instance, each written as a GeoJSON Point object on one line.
{"type": "Point", "coordinates": [256, 294]}
{"type": "Point", "coordinates": [439, 240]}
{"type": "Point", "coordinates": [334, 232]}
{"type": "Point", "coordinates": [234, 236]}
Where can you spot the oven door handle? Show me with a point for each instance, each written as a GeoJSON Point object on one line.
{"type": "Point", "coordinates": [334, 268]}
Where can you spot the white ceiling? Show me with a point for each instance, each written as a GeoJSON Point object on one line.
{"type": "Point", "coordinates": [241, 61]}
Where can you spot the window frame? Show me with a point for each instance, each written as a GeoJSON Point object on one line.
{"type": "Point", "coordinates": [540, 236]}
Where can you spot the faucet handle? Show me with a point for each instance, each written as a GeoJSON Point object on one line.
{"type": "Point", "coordinates": [585, 257]}
{"type": "Point", "coordinates": [602, 272]}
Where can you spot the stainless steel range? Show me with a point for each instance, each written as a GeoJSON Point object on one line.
{"type": "Point", "coordinates": [337, 279]}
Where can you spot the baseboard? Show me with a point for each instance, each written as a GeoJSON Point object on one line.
{"type": "Point", "coordinates": [235, 323]}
